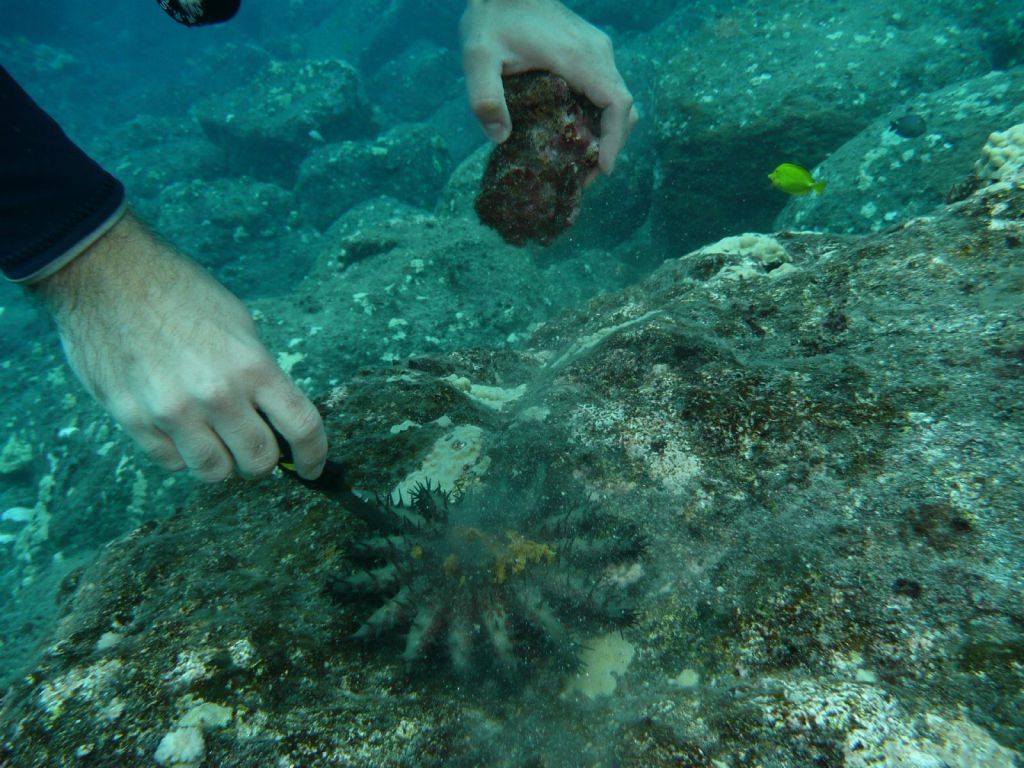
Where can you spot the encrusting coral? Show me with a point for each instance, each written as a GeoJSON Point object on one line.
{"type": "Point", "coordinates": [1002, 157]}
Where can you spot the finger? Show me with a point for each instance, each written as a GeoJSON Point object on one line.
{"type": "Point", "coordinates": [158, 447]}
{"type": "Point", "coordinates": [151, 440]}
{"type": "Point", "coordinates": [617, 121]}
{"type": "Point", "coordinates": [251, 443]}
{"type": "Point", "coordinates": [297, 419]}
{"type": "Point", "coordinates": [604, 87]}
{"type": "Point", "coordinates": [486, 94]}
{"type": "Point", "coordinates": [202, 451]}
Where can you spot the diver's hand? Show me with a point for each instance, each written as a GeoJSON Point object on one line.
{"type": "Point", "coordinates": [506, 37]}
{"type": "Point", "coordinates": [176, 360]}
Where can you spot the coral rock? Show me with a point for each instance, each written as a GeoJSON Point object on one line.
{"type": "Point", "coordinates": [533, 185]}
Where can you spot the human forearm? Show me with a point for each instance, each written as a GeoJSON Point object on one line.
{"type": "Point", "coordinates": [176, 359]}
{"type": "Point", "coordinates": [125, 262]}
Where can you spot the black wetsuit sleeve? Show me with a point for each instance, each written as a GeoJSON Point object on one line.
{"type": "Point", "coordinates": [53, 197]}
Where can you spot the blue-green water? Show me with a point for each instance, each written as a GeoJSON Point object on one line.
{"type": "Point", "coordinates": [734, 474]}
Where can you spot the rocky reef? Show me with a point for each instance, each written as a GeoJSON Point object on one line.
{"type": "Point", "coordinates": [816, 436]}
{"type": "Point", "coordinates": [532, 187]}
{"type": "Point", "coordinates": [758, 505]}
{"type": "Point", "coordinates": [881, 176]}
{"type": "Point", "coordinates": [791, 82]}
{"type": "Point", "coordinates": [268, 125]}
{"type": "Point", "coordinates": [409, 163]}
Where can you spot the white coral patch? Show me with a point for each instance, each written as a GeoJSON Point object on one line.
{"type": "Point", "coordinates": [181, 747]}
{"type": "Point", "coordinates": [453, 460]}
{"type": "Point", "coordinates": [748, 255]}
{"type": "Point", "coordinates": [605, 659]}
{"type": "Point", "coordinates": [1002, 158]}
{"type": "Point", "coordinates": [495, 398]}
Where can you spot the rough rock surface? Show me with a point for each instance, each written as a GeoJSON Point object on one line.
{"type": "Point", "coordinates": [766, 83]}
{"type": "Point", "coordinates": [391, 281]}
{"type": "Point", "coordinates": [820, 436]}
{"type": "Point", "coordinates": [410, 162]}
{"type": "Point", "coordinates": [880, 177]}
{"type": "Point", "coordinates": [415, 83]}
{"type": "Point", "coordinates": [69, 483]}
{"type": "Point", "coordinates": [246, 231]}
{"type": "Point", "coordinates": [149, 153]}
{"type": "Point", "coordinates": [454, 120]}
{"type": "Point", "coordinates": [267, 127]}
{"type": "Point", "coordinates": [400, 24]}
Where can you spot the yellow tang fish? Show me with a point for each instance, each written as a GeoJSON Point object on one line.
{"type": "Point", "coordinates": [795, 180]}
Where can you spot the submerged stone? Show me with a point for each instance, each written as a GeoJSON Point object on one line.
{"type": "Point", "coordinates": [532, 188]}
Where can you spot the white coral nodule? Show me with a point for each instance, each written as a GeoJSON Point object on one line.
{"type": "Point", "coordinates": [1003, 155]}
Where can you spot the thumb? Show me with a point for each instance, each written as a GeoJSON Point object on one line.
{"type": "Point", "coordinates": [486, 93]}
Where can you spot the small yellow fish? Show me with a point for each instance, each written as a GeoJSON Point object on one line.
{"type": "Point", "coordinates": [795, 180]}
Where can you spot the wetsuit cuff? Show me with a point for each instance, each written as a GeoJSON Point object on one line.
{"type": "Point", "coordinates": [54, 266]}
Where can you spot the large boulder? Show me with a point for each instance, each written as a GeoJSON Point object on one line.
{"type": "Point", "coordinates": [246, 231]}
{"type": "Point", "coordinates": [410, 162]}
{"type": "Point", "coordinates": [149, 153]}
{"type": "Point", "coordinates": [412, 85]}
{"type": "Point", "coordinates": [147, 172]}
{"type": "Point", "coordinates": [766, 83]}
{"type": "Point", "coordinates": [886, 173]}
{"type": "Point", "coordinates": [268, 126]}
{"type": "Point", "coordinates": [455, 121]}
{"type": "Point", "coordinates": [391, 281]}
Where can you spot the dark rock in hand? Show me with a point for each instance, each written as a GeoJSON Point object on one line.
{"type": "Point", "coordinates": [533, 185]}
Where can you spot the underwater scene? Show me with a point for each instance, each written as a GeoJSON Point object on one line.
{"type": "Point", "coordinates": [668, 370]}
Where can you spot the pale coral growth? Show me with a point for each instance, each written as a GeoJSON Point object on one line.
{"type": "Point", "coordinates": [1002, 158]}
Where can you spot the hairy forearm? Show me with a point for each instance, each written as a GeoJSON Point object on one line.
{"type": "Point", "coordinates": [114, 278]}
{"type": "Point", "coordinates": [106, 297]}
{"type": "Point", "coordinates": [176, 359]}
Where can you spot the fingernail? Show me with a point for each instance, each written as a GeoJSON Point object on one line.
{"type": "Point", "coordinates": [495, 132]}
